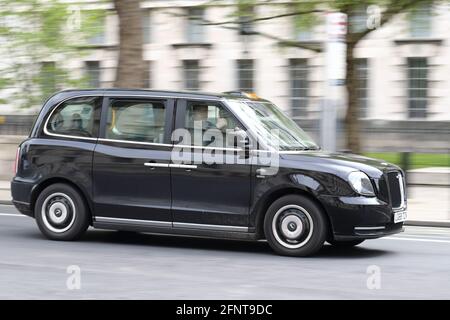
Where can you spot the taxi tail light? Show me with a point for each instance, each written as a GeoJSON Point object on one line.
{"type": "Point", "coordinates": [16, 163]}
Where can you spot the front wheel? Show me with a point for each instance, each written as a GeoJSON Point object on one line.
{"type": "Point", "coordinates": [61, 213]}
{"type": "Point", "coordinates": [295, 225]}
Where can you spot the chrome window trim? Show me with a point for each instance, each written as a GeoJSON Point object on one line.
{"type": "Point", "coordinates": [173, 145]}
{"type": "Point", "coordinates": [206, 147]}
{"type": "Point", "coordinates": [135, 142]}
{"type": "Point", "coordinates": [147, 143]}
{"type": "Point", "coordinates": [66, 135]}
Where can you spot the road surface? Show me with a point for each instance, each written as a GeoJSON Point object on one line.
{"type": "Point", "coordinates": [115, 265]}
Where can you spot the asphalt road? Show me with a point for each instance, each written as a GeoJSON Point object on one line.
{"type": "Point", "coordinates": [115, 265]}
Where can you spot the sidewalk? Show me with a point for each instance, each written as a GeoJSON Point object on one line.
{"type": "Point", "coordinates": [427, 205]}
{"type": "Point", "coordinates": [5, 193]}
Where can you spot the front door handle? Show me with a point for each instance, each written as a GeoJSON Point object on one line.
{"type": "Point", "coordinates": [261, 173]}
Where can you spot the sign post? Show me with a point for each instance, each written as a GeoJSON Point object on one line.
{"type": "Point", "coordinates": [335, 78]}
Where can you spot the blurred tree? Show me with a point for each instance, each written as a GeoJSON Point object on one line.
{"type": "Point", "coordinates": [36, 39]}
{"type": "Point", "coordinates": [305, 12]}
{"type": "Point", "coordinates": [130, 66]}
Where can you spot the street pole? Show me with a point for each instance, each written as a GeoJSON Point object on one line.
{"type": "Point", "coordinates": [335, 78]}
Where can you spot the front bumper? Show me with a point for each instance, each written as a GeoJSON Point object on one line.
{"type": "Point", "coordinates": [360, 217]}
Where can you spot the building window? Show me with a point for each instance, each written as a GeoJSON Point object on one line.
{"type": "Point", "coordinates": [358, 20]}
{"type": "Point", "coordinates": [194, 30]}
{"type": "Point", "coordinates": [303, 33]}
{"type": "Point", "coordinates": [191, 70]}
{"type": "Point", "coordinates": [146, 27]}
{"type": "Point", "coordinates": [48, 78]}
{"type": "Point", "coordinates": [97, 31]}
{"type": "Point", "coordinates": [417, 87]}
{"type": "Point", "coordinates": [420, 22]}
{"type": "Point", "coordinates": [299, 87]}
{"type": "Point", "coordinates": [362, 85]}
{"type": "Point", "coordinates": [147, 74]}
{"type": "Point", "coordinates": [93, 73]}
{"type": "Point", "coordinates": [246, 24]}
{"type": "Point", "coordinates": [245, 70]}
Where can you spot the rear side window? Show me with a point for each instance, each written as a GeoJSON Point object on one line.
{"type": "Point", "coordinates": [75, 117]}
{"type": "Point", "coordinates": [141, 121]}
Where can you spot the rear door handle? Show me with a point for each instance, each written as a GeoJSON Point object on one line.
{"type": "Point", "coordinates": [156, 165]}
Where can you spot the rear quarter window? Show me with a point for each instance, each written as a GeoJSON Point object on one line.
{"type": "Point", "coordinates": [75, 117]}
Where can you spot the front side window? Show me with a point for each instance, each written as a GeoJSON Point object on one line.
{"type": "Point", "coordinates": [75, 118]}
{"type": "Point", "coordinates": [136, 120]}
{"type": "Point", "coordinates": [207, 120]}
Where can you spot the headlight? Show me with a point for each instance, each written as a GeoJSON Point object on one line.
{"type": "Point", "coordinates": [360, 182]}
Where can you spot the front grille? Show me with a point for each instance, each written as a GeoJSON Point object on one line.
{"type": "Point", "coordinates": [396, 189]}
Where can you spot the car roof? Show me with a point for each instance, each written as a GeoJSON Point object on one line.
{"type": "Point", "coordinates": [155, 93]}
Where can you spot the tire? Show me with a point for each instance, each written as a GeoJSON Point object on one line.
{"type": "Point", "coordinates": [295, 225]}
{"type": "Point", "coordinates": [61, 213]}
{"type": "Point", "coordinates": [346, 243]}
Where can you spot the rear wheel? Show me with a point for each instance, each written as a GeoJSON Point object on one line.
{"type": "Point", "coordinates": [61, 213]}
{"type": "Point", "coordinates": [346, 243]}
{"type": "Point", "coordinates": [295, 225]}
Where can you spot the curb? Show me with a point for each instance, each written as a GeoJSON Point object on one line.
{"type": "Point", "coordinates": [5, 202]}
{"type": "Point", "coordinates": [430, 223]}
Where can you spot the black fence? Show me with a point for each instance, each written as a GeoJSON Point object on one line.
{"type": "Point", "coordinates": [19, 125]}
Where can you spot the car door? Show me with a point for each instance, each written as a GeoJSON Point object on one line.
{"type": "Point", "coordinates": [213, 195]}
{"type": "Point", "coordinates": [131, 162]}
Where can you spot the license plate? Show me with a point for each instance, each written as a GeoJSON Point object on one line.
{"type": "Point", "coordinates": [400, 216]}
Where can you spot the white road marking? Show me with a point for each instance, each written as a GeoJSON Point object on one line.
{"type": "Point", "coordinates": [415, 239]}
{"type": "Point", "coordinates": [11, 214]}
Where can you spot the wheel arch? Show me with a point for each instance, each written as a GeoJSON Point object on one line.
{"type": "Point", "coordinates": [50, 181]}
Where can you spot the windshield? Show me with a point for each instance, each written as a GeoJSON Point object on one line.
{"type": "Point", "coordinates": [270, 124]}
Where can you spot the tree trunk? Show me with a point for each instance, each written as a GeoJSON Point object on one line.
{"type": "Point", "coordinates": [352, 132]}
{"type": "Point", "coordinates": [129, 70]}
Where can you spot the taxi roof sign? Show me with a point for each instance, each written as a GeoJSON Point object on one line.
{"type": "Point", "coordinates": [249, 95]}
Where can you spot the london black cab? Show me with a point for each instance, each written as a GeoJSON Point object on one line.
{"type": "Point", "coordinates": [164, 162]}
